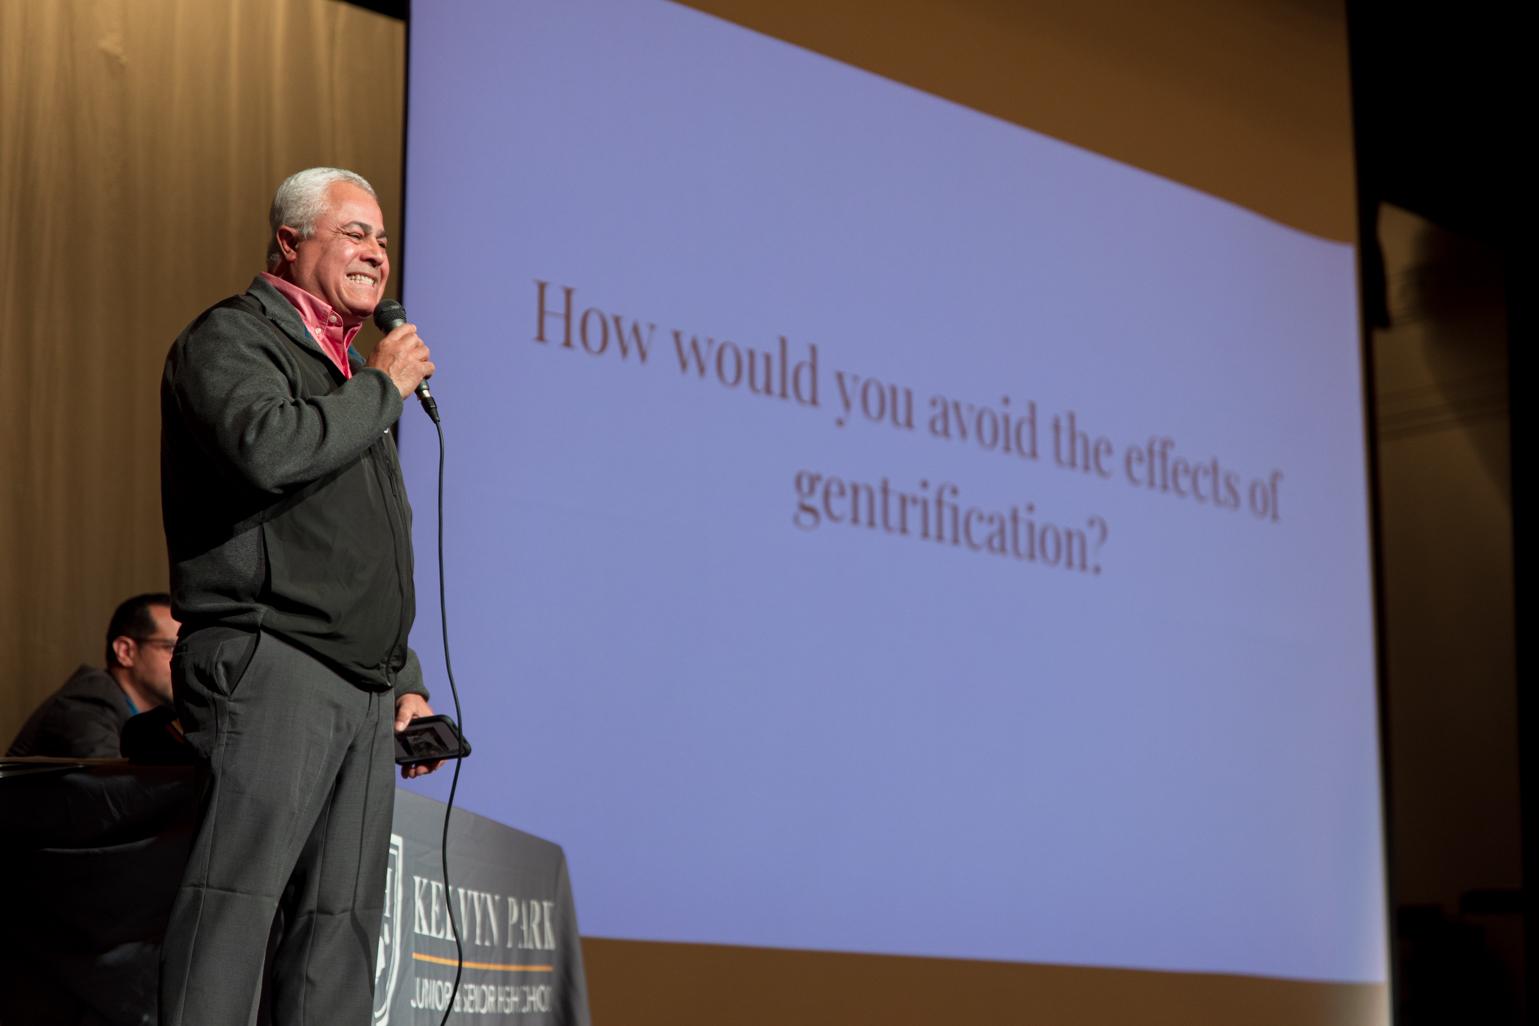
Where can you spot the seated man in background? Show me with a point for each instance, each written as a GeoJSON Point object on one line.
{"type": "Point", "coordinates": [85, 717]}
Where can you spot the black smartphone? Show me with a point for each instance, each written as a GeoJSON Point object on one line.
{"type": "Point", "coordinates": [429, 738]}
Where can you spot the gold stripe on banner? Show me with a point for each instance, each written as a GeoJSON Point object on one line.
{"type": "Point", "coordinates": [642, 983]}
{"type": "Point", "coordinates": [493, 966]}
{"type": "Point", "coordinates": [1249, 102]}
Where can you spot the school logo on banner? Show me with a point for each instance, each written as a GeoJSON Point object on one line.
{"type": "Point", "coordinates": [387, 966]}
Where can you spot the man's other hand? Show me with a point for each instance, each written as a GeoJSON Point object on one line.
{"type": "Point", "coordinates": [407, 708]}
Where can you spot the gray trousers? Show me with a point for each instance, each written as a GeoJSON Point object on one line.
{"type": "Point", "coordinates": [297, 814]}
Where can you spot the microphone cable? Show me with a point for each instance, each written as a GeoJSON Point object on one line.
{"type": "Point", "coordinates": [454, 782]}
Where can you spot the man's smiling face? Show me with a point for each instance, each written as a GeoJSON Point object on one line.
{"type": "Point", "coordinates": [344, 261]}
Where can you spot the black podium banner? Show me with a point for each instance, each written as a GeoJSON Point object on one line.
{"type": "Point", "coordinates": [512, 904]}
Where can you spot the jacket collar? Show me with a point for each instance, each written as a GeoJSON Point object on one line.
{"type": "Point", "coordinates": [282, 313]}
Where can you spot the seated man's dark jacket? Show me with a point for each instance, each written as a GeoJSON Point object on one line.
{"type": "Point", "coordinates": [82, 720]}
{"type": "Point", "coordinates": [282, 496]}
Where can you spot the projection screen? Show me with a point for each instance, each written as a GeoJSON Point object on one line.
{"type": "Point", "coordinates": [875, 527]}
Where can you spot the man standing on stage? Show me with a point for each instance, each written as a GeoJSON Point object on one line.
{"type": "Point", "coordinates": [291, 572]}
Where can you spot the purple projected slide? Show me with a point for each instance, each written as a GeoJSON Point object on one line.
{"type": "Point", "coordinates": [876, 527]}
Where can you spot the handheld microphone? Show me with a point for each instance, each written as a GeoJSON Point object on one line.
{"type": "Point", "coordinates": [388, 316]}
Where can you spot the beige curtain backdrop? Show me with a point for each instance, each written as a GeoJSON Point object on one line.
{"type": "Point", "coordinates": [139, 146]}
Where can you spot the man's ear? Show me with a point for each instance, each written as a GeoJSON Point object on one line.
{"type": "Point", "coordinates": [288, 242]}
{"type": "Point", "coordinates": [126, 649]}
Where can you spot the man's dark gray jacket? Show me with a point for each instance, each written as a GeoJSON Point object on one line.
{"type": "Point", "coordinates": [281, 492]}
{"type": "Point", "coordinates": [81, 720]}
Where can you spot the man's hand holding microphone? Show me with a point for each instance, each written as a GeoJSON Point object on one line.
{"type": "Point", "coordinates": [403, 355]}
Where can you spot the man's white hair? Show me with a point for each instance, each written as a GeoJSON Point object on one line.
{"type": "Point", "coordinates": [301, 199]}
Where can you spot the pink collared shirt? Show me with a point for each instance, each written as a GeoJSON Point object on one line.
{"type": "Point", "coordinates": [323, 323]}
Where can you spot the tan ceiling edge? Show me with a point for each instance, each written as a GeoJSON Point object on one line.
{"type": "Point", "coordinates": [1249, 102]}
